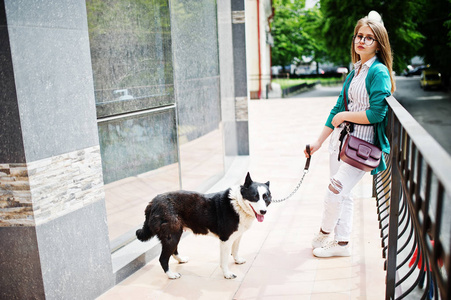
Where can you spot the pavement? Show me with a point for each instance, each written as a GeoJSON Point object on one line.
{"type": "Point", "coordinates": [280, 264]}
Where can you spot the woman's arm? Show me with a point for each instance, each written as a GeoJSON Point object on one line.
{"type": "Point", "coordinates": [318, 143]}
{"type": "Point", "coordinates": [358, 117]}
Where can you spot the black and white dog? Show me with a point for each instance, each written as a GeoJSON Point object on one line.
{"type": "Point", "coordinates": [226, 215]}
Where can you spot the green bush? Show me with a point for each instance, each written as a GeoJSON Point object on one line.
{"type": "Point", "coordinates": [286, 83]}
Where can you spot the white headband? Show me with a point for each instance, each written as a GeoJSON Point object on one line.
{"type": "Point", "coordinates": [375, 16]}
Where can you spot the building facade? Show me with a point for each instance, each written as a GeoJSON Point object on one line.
{"type": "Point", "coordinates": [259, 14]}
{"type": "Point", "coordinates": [103, 105]}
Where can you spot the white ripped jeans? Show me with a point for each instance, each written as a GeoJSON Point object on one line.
{"type": "Point", "coordinates": [338, 205]}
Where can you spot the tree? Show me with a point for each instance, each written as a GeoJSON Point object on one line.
{"type": "Point", "coordinates": [400, 19]}
{"type": "Point", "coordinates": [295, 32]}
{"type": "Point", "coordinates": [436, 27]}
{"type": "Point", "coordinates": [286, 31]}
{"type": "Point", "coordinates": [312, 20]}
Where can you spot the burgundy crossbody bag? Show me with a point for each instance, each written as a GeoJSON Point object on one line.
{"type": "Point", "coordinates": [357, 152]}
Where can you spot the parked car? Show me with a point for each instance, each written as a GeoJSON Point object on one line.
{"type": "Point", "coordinates": [315, 72]}
{"type": "Point", "coordinates": [342, 70]}
{"type": "Point", "coordinates": [430, 79]}
{"type": "Point", "coordinates": [415, 71]}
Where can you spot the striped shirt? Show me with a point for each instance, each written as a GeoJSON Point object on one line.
{"type": "Point", "coordinates": [359, 100]}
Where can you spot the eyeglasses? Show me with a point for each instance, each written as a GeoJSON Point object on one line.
{"type": "Point", "coordinates": [368, 40]}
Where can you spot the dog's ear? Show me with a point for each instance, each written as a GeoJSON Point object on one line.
{"type": "Point", "coordinates": [267, 184]}
{"type": "Point", "coordinates": [248, 181]}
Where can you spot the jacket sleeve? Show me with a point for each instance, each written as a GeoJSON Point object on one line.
{"type": "Point", "coordinates": [379, 88]}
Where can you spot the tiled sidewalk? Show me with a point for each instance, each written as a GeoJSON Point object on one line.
{"type": "Point", "coordinates": [279, 257]}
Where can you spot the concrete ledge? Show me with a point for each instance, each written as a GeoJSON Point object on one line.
{"type": "Point", "coordinates": [133, 257]}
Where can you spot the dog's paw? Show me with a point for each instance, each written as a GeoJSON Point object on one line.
{"type": "Point", "coordinates": [229, 275]}
{"type": "Point", "coordinates": [181, 259]}
{"type": "Point", "coordinates": [240, 261]}
{"type": "Point", "coordinates": [173, 275]}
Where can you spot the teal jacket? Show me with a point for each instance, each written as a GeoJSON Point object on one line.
{"type": "Point", "coordinates": [378, 86]}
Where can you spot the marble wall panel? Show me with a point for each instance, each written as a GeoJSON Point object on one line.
{"type": "Point", "coordinates": [75, 255]}
{"type": "Point", "coordinates": [20, 276]}
{"type": "Point", "coordinates": [240, 75]}
{"type": "Point", "coordinates": [66, 14]}
{"type": "Point", "coordinates": [227, 78]}
{"type": "Point", "coordinates": [11, 147]}
{"type": "Point", "coordinates": [65, 258]}
{"type": "Point", "coordinates": [50, 51]}
{"type": "Point", "coordinates": [239, 58]}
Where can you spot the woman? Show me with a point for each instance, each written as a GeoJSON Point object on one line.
{"type": "Point", "coordinates": [366, 88]}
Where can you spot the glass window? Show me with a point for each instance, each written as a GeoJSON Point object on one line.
{"type": "Point", "coordinates": [139, 160]}
{"type": "Point", "coordinates": [196, 55]}
{"type": "Point", "coordinates": [134, 92]}
{"type": "Point", "coordinates": [154, 138]}
{"type": "Point", "coordinates": [131, 55]}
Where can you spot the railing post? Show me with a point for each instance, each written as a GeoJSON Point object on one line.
{"type": "Point", "coordinates": [394, 212]}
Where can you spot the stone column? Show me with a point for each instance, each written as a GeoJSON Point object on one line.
{"type": "Point", "coordinates": [240, 76]}
{"type": "Point", "coordinates": [53, 233]}
{"type": "Point", "coordinates": [227, 82]}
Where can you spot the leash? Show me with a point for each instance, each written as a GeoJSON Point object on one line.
{"type": "Point", "coordinates": [307, 165]}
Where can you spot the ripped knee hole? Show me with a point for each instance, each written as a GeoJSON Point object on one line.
{"type": "Point", "coordinates": [335, 186]}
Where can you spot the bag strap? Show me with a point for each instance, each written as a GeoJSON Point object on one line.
{"type": "Point", "coordinates": [349, 127]}
{"type": "Point", "coordinates": [345, 97]}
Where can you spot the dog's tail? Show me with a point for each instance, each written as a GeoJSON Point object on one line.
{"type": "Point", "coordinates": [145, 234]}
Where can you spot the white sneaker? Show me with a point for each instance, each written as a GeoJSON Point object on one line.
{"type": "Point", "coordinates": [320, 240]}
{"type": "Point", "coordinates": [332, 249]}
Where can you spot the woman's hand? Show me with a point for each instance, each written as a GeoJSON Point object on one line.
{"type": "Point", "coordinates": [313, 148]}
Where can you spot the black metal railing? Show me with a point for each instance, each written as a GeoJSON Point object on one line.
{"type": "Point", "coordinates": [414, 207]}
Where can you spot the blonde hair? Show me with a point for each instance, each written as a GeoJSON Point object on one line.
{"type": "Point", "coordinates": [384, 54]}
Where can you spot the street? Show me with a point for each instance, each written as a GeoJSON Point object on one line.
{"type": "Point", "coordinates": [432, 109]}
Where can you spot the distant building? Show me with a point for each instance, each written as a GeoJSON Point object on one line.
{"type": "Point", "coordinates": [259, 41]}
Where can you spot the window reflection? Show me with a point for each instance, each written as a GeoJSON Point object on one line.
{"type": "Point", "coordinates": [139, 161]}
{"type": "Point", "coordinates": [138, 143]}
{"type": "Point", "coordinates": [131, 55]}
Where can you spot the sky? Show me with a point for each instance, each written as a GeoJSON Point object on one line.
{"type": "Point", "coordinates": [310, 3]}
